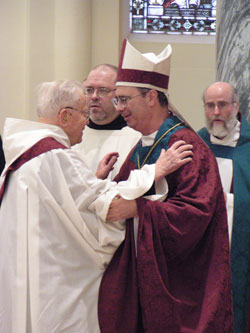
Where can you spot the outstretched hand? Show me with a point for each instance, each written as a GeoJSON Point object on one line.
{"type": "Point", "coordinates": [172, 159]}
{"type": "Point", "coordinates": [106, 165]}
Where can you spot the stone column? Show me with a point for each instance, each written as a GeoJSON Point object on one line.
{"type": "Point", "coordinates": [233, 48]}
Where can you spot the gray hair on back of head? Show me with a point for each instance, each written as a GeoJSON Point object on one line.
{"type": "Point", "coordinates": [56, 95]}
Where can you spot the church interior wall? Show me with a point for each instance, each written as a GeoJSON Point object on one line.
{"type": "Point", "coordinates": [43, 40]}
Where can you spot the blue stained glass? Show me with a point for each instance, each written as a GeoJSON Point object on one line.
{"type": "Point", "coordinates": [187, 17]}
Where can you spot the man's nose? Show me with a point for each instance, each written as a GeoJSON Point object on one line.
{"type": "Point", "coordinates": [119, 108]}
{"type": "Point", "coordinates": [216, 110]}
{"type": "Point", "coordinates": [95, 95]}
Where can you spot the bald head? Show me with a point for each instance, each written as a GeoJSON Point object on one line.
{"type": "Point", "coordinates": [223, 88]}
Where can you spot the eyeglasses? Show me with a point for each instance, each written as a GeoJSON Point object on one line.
{"type": "Point", "coordinates": [86, 114]}
{"type": "Point", "coordinates": [222, 105]}
{"type": "Point", "coordinates": [101, 92]}
{"type": "Point", "coordinates": [123, 100]}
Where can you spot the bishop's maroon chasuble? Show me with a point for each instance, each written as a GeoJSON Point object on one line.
{"type": "Point", "coordinates": [179, 280]}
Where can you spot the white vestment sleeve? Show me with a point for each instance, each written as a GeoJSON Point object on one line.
{"type": "Point", "coordinates": [138, 183]}
{"type": "Point", "coordinates": [230, 208]}
{"type": "Point", "coordinates": [226, 174]}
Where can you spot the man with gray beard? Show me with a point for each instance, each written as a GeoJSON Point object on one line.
{"type": "Point", "coordinates": [227, 133]}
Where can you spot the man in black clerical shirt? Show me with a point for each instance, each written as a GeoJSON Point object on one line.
{"type": "Point", "coordinates": [107, 130]}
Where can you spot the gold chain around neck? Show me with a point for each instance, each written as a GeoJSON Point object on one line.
{"type": "Point", "coordinates": [153, 147]}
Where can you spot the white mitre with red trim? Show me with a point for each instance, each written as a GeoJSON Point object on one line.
{"type": "Point", "coordinates": [146, 70]}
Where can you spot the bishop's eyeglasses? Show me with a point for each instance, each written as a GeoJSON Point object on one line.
{"type": "Point", "coordinates": [123, 100]}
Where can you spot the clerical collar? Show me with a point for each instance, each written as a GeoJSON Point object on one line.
{"type": "Point", "coordinates": [230, 140]}
{"type": "Point", "coordinates": [117, 124]}
{"type": "Point", "coordinates": [148, 140]}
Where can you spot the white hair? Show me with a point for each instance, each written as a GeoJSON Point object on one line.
{"type": "Point", "coordinates": [55, 95]}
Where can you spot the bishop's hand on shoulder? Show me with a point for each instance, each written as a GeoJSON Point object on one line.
{"type": "Point", "coordinates": [172, 159]}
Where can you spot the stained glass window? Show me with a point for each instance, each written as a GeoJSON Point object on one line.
{"type": "Point", "coordinates": [186, 17]}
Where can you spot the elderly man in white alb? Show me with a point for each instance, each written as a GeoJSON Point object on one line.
{"type": "Point", "coordinates": [53, 246]}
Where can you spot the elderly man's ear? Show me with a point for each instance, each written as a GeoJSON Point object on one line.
{"type": "Point", "coordinates": [63, 117]}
